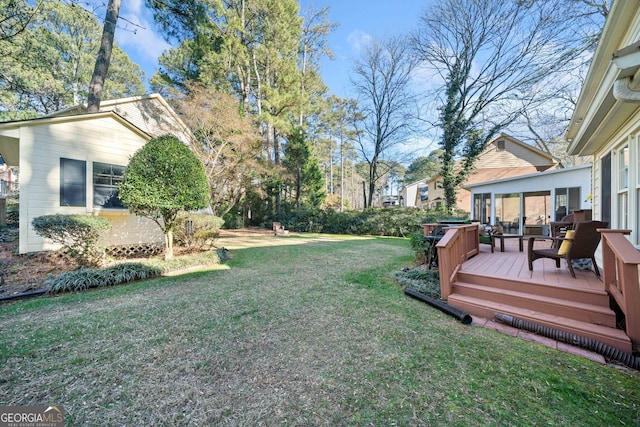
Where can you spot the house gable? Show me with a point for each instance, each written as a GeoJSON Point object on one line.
{"type": "Point", "coordinates": [507, 152]}
{"type": "Point", "coordinates": [503, 157]}
{"type": "Point", "coordinates": [151, 113]}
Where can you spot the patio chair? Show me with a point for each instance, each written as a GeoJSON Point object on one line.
{"type": "Point", "coordinates": [559, 228]}
{"type": "Point", "coordinates": [486, 236]}
{"type": "Point", "coordinates": [577, 244]}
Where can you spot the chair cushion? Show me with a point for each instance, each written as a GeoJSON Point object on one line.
{"type": "Point", "coordinates": [566, 244]}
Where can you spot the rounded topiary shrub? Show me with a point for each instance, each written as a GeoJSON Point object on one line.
{"type": "Point", "coordinates": [162, 179]}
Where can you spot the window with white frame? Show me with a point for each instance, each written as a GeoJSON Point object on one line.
{"type": "Point", "coordinates": [567, 200]}
{"type": "Point", "coordinates": [482, 207]}
{"type": "Point", "coordinates": [623, 187]}
{"type": "Point", "coordinates": [106, 179]}
{"type": "Point", "coordinates": [636, 172]}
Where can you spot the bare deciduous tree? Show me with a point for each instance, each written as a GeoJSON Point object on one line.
{"type": "Point", "coordinates": [382, 80]}
{"type": "Point", "coordinates": [490, 57]}
{"type": "Point", "coordinates": [228, 144]}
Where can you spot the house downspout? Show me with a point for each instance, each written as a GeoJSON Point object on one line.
{"type": "Point", "coordinates": [627, 60]}
{"type": "Point", "coordinates": [623, 90]}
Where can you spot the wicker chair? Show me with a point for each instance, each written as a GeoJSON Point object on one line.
{"type": "Point", "coordinates": [583, 244]}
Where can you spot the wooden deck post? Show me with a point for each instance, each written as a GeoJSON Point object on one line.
{"type": "Point", "coordinates": [458, 244]}
{"type": "Point", "coordinates": [621, 277]}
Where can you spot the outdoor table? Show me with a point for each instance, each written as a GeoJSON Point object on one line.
{"type": "Point", "coordinates": [507, 236]}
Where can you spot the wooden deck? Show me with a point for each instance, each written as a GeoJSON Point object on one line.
{"type": "Point", "coordinates": [512, 264]}
{"type": "Point", "coordinates": [500, 282]}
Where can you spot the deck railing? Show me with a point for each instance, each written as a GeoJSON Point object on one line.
{"type": "Point", "coordinates": [457, 245]}
{"type": "Point", "coordinates": [620, 277]}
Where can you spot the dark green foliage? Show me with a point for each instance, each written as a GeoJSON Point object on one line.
{"type": "Point", "coordinates": [86, 278]}
{"type": "Point", "coordinates": [371, 221]}
{"type": "Point", "coordinates": [197, 231]}
{"type": "Point", "coordinates": [423, 167]}
{"type": "Point", "coordinates": [307, 179]}
{"type": "Point", "coordinates": [420, 246]}
{"type": "Point", "coordinates": [13, 214]}
{"type": "Point", "coordinates": [77, 234]}
{"type": "Point", "coordinates": [424, 281]}
{"type": "Point", "coordinates": [163, 178]}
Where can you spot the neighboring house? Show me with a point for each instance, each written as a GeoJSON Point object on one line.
{"type": "Point", "coordinates": [538, 198]}
{"type": "Point", "coordinates": [8, 178]}
{"type": "Point", "coordinates": [71, 163]}
{"type": "Point", "coordinates": [503, 157]}
{"type": "Point", "coordinates": [412, 195]}
{"type": "Point", "coordinates": [422, 196]}
{"type": "Point", "coordinates": [606, 121]}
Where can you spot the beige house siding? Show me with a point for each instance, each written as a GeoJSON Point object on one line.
{"type": "Point", "coordinates": [463, 197]}
{"type": "Point", "coordinates": [101, 138]}
{"type": "Point", "coordinates": [512, 156]}
{"type": "Point", "coordinates": [151, 113]}
{"type": "Point", "coordinates": [504, 157]}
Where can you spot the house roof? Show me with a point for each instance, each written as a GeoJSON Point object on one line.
{"type": "Point", "coordinates": [598, 114]}
{"type": "Point", "coordinates": [496, 174]}
{"type": "Point", "coordinates": [149, 112]}
{"type": "Point", "coordinates": [15, 124]}
{"type": "Point", "coordinates": [10, 131]}
{"type": "Point", "coordinates": [528, 176]}
{"type": "Point", "coordinates": [420, 181]}
{"type": "Point", "coordinates": [504, 172]}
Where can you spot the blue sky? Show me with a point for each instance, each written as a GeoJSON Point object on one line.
{"type": "Point", "coordinates": [359, 20]}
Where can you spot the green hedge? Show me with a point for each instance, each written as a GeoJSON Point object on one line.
{"type": "Point", "coordinates": [399, 222]}
{"type": "Point", "coordinates": [197, 232]}
{"type": "Point", "coordinates": [77, 234]}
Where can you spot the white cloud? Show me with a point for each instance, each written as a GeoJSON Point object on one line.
{"type": "Point", "coordinates": [358, 40]}
{"type": "Point", "coordinates": [137, 37]}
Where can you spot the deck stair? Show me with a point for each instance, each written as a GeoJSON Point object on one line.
{"type": "Point", "coordinates": [581, 311]}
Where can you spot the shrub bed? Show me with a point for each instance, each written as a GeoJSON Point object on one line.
{"type": "Point", "coordinates": [86, 278]}
{"type": "Point", "coordinates": [423, 281]}
{"type": "Point", "coordinates": [78, 235]}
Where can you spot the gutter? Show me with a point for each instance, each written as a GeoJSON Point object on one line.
{"type": "Point", "coordinates": [627, 87]}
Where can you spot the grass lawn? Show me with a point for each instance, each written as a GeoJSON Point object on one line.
{"type": "Point", "coordinates": [315, 333]}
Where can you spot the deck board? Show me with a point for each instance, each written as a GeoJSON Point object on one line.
{"type": "Point", "coordinates": [513, 264]}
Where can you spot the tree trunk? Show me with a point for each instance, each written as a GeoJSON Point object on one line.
{"type": "Point", "coordinates": [104, 57]}
{"type": "Point", "coordinates": [341, 174]}
{"type": "Point", "coordinates": [168, 245]}
{"type": "Point", "coordinates": [364, 193]}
